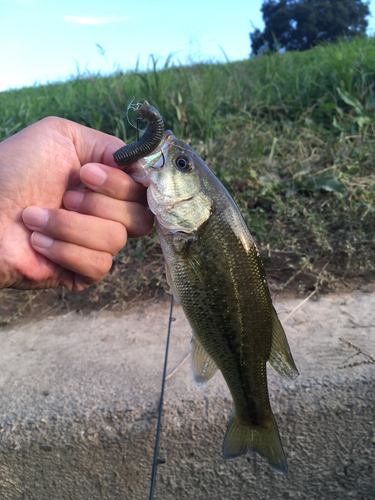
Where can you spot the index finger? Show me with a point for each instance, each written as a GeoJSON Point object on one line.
{"type": "Point", "coordinates": [112, 182]}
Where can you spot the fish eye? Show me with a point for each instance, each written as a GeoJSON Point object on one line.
{"type": "Point", "coordinates": [183, 163]}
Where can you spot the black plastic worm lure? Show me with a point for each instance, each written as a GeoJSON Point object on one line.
{"type": "Point", "coordinates": [149, 141]}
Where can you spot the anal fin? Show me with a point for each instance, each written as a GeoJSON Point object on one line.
{"type": "Point", "coordinates": [203, 367]}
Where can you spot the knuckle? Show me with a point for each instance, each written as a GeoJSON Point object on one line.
{"type": "Point", "coordinates": [144, 225]}
{"type": "Point", "coordinates": [118, 238]}
{"type": "Point", "coordinates": [51, 121]}
{"type": "Point", "coordinates": [101, 264]}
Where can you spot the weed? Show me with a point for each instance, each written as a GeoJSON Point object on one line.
{"type": "Point", "coordinates": [290, 135]}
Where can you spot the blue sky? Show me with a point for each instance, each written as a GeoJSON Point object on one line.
{"type": "Point", "coordinates": [47, 40]}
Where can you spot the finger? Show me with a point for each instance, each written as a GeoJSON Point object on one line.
{"type": "Point", "coordinates": [112, 182]}
{"type": "Point", "coordinates": [137, 219]}
{"type": "Point", "coordinates": [90, 265]}
{"type": "Point", "coordinates": [84, 230]}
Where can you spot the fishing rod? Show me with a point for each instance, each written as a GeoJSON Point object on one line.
{"type": "Point", "coordinates": [153, 477]}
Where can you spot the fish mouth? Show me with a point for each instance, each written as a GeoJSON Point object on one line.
{"type": "Point", "coordinates": [141, 170]}
{"type": "Point", "coordinates": [165, 144]}
{"type": "Point", "coordinates": [157, 159]}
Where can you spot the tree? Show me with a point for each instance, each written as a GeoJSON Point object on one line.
{"type": "Point", "coordinates": [300, 24]}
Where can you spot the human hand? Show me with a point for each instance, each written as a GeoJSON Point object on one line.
{"type": "Point", "coordinates": [53, 232]}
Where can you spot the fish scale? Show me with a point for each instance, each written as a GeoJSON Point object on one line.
{"type": "Point", "coordinates": [237, 326]}
{"type": "Point", "coordinates": [215, 271]}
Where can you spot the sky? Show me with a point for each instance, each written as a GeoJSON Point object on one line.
{"type": "Point", "coordinates": [52, 40]}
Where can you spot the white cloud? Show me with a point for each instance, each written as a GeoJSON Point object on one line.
{"type": "Point", "coordinates": [96, 20]}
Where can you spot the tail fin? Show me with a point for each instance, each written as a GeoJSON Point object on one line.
{"type": "Point", "coordinates": [266, 441]}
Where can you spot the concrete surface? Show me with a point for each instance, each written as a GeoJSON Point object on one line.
{"type": "Point", "coordinates": [79, 397]}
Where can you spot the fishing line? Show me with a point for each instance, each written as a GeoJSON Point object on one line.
{"type": "Point", "coordinates": [161, 406]}
{"type": "Point", "coordinates": [132, 106]}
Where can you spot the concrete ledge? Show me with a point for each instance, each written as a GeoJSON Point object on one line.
{"type": "Point", "coordinates": [79, 400]}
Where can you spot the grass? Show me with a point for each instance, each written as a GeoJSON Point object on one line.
{"type": "Point", "coordinates": [290, 135]}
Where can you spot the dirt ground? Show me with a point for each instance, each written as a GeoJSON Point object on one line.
{"type": "Point", "coordinates": [140, 282]}
{"type": "Point", "coordinates": [80, 394]}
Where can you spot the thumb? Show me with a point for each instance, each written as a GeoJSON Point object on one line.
{"type": "Point", "coordinates": [92, 146]}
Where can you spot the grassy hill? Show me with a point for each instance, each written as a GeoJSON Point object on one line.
{"type": "Point", "coordinates": [292, 137]}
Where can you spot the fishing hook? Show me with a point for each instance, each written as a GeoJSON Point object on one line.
{"type": "Point", "coordinates": [163, 159]}
{"type": "Point", "coordinates": [138, 120]}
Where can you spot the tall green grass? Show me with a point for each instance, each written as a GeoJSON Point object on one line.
{"type": "Point", "coordinates": [291, 136]}
{"type": "Point", "coordinates": [326, 83]}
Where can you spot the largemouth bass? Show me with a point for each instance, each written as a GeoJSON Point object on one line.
{"type": "Point", "coordinates": [215, 271]}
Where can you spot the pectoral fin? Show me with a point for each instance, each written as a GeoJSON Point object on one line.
{"type": "Point", "coordinates": [281, 358]}
{"type": "Point", "coordinates": [171, 284]}
{"type": "Point", "coordinates": [203, 367]}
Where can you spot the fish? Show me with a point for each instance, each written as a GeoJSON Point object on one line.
{"type": "Point", "coordinates": [216, 274]}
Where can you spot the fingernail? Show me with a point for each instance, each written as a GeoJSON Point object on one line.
{"type": "Point", "coordinates": [94, 175]}
{"type": "Point", "coordinates": [35, 217]}
{"type": "Point", "coordinates": [73, 199]}
{"type": "Point", "coordinates": [41, 240]}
